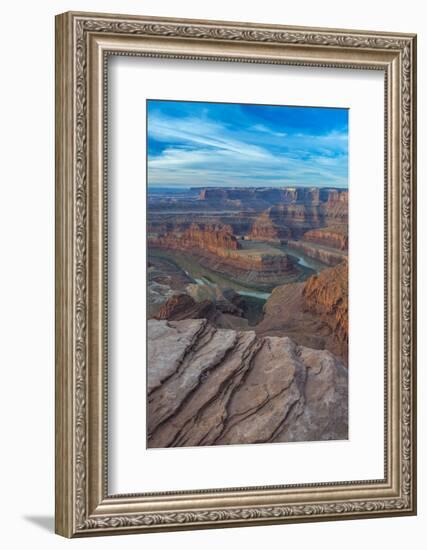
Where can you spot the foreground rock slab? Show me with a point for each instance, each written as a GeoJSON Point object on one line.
{"type": "Point", "coordinates": [210, 386]}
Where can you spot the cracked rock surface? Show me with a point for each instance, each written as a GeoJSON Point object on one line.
{"type": "Point", "coordinates": [212, 386]}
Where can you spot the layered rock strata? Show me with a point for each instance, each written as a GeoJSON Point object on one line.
{"type": "Point", "coordinates": [333, 237]}
{"type": "Point", "coordinates": [218, 240]}
{"type": "Point", "coordinates": [326, 296]}
{"type": "Point", "coordinates": [289, 211]}
{"type": "Point", "coordinates": [182, 306]}
{"type": "Point", "coordinates": [164, 279]}
{"type": "Point", "coordinates": [221, 251]}
{"type": "Point", "coordinates": [326, 255]}
{"type": "Point", "coordinates": [223, 314]}
{"type": "Point", "coordinates": [209, 386]}
{"type": "Point", "coordinates": [267, 228]}
{"type": "Point", "coordinates": [289, 195]}
{"type": "Point", "coordinates": [283, 221]}
{"type": "Point", "coordinates": [313, 313]}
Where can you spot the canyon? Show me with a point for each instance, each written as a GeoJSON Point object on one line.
{"type": "Point", "coordinates": [247, 306]}
{"type": "Point", "coordinates": [218, 248]}
{"type": "Point", "coordinates": [221, 243]}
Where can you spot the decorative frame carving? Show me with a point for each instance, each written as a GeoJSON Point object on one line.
{"type": "Point", "coordinates": [83, 42]}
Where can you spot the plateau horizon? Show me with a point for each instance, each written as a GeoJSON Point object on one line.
{"type": "Point", "coordinates": [198, 188]}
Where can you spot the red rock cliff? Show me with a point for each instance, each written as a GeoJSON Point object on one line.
{"type": "Point", "coordinates": [215, 239]}
{"type": "Point", "coordinates": [218, 244]}
{"type": "Point", "coordinates": [267, 227]}
{"type": "Point", "coordinates": [329, 236]}
{"type": "Point", "coordinates": [326, 294]}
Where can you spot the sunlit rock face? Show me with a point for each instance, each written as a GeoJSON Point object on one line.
{"type": "Point", "coordinates": [313, 313]}
{"type": "Point", "coordinates": [326, 295]}
{"type": "Point", "coordinates": [333, 237]}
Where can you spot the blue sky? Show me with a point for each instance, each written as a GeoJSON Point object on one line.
{"type": "Point", "coordinates": [196, 144]}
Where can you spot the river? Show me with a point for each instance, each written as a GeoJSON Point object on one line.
{"type": "Point", "coordinates": [303, 259]}
{"type": "Point", "coordinates": [205, 276]}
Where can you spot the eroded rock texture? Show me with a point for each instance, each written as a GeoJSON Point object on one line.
{"type": "Point", "coordinates": [326, 295]}
{"type": "Point", "coordinates": [219, 249]}
{"type": "Point", "coordinates": [210, 386]}
{"type": "Point", "coordinates": [326, 255]}
{"type": "Point", "coordinates": [215, 239]}
{"type": "Point", "coordinates": [334, 237]}
{"type": "Point", "coordinates": [313, 313]}
{"type": "Point", "coordinates": [269, 227]}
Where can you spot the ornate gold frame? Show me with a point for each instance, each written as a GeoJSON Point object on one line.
{"type": "Point", "coordinates": [83, 42]}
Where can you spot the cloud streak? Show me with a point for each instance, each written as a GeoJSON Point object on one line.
{"type": "Point", "coordinates": [205, 144]}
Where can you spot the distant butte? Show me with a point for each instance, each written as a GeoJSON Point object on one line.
{"type": "Point", "coordinates": [292, 194]}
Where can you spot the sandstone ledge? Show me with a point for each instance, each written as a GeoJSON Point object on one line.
{"type": "Point", "coordinates": [209, 386]}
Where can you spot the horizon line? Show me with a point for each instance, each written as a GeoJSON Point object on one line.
{"type": "Point", "coordinates": [197, 187]}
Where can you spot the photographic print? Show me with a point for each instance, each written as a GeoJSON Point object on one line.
{"type": "Point", "coordinates": [247, 270]}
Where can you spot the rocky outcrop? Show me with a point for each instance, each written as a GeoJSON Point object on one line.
{"type": "Point", "coordinates": [225, 299]}
{"type": "Point", "coordinates": [288, 195]}
{"type": "Point", "coordinates": [236, 311]}
{"type": "Point", "coordinates": [215, 239]}
{"type": "Point", "coordinates": [326, 296]}
{"type": "Point", "coordinates": [294, 219]}
{"type": "Point", "coordinates": [222, 252]}
{"type": "Point", "coordinates": [285, 314]}
{"type": "Point", "coordinates": [163, 280]}
{"type": "Point", "coordinates": [313, 314]}
{"type": "Point", "coordinates": [333, 237]}
{"type": "Point", "coordinates": [183, 306]}
{"type": "Point", "coordinates": [267, 227]}
{"type": "Point", "coordinates": [335, 209]}
{"type": "Point", "coordinates": [212, 193]}
{"type": "Point", "coordinates": [300, 208]}
{"type": "Point", "coordinates": [209, 386]}
{"type": "Point", "coordinates": [297, 218]}
{"type": "Point", "coordinates": [243, 196]}
{"type": "Point", "coordinates": [333, 195]}
{"type": "Point", "coordinates": [162, 222]}
{"type": "Point", "coordinates": [268, 263]}
{"type": "Point", "coordinates": [157, 295]}
{"type": "Point", "coordinates": [326, 255]}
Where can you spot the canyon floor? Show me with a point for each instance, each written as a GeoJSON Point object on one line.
{"type": "Point", "coordinates": [247, 306]}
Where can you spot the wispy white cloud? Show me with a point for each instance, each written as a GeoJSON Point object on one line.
{"type": "Point", "coordinates": [265, 129]}
{"type": "Point", "coordinates": [196, 132]}
{"type": "Point", "coordinates": [201, 151]}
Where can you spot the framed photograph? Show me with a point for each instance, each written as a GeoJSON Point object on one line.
{"type": "Point", "coordinates": [235, 274]}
